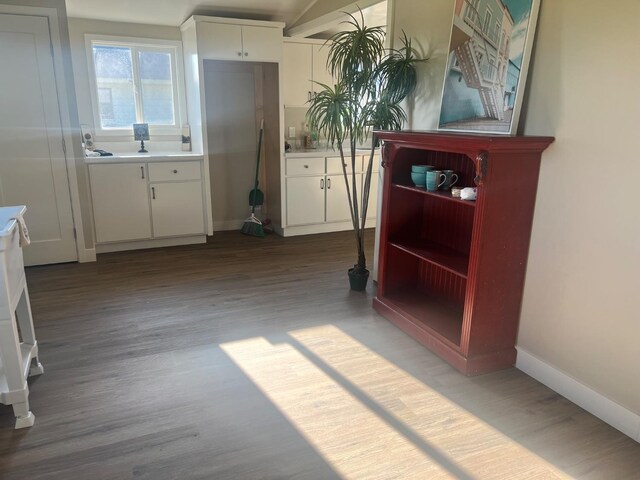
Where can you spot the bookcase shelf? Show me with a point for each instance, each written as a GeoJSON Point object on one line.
{"type": "Point", "coordinates": [438, 194]}
{"type": "Point", "coordinates": [451, 271]}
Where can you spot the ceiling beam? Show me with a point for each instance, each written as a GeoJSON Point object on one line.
{"type": "Point", "coordinates": [321, 16]}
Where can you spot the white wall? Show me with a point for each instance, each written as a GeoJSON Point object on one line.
{"type": "Point", "coordinates": [579, 313]}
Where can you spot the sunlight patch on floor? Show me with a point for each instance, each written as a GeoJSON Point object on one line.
{"type": "Point", "coordinates": [371, 419]}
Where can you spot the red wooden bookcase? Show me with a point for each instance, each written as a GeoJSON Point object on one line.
{"type": "Point", "coordinates": [451, 272]}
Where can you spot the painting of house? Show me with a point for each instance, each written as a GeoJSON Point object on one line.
{"type": "Point", "coordinates": [486, 54]}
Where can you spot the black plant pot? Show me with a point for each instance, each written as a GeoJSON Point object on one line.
{"type": "Point", "coordinates": [358, 280]}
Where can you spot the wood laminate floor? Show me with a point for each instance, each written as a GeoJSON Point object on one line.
{"type": "Point", "coordinates": [251, 359]}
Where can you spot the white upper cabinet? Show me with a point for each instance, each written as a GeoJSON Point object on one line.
{"type": "Point", "coordinates": [220, 41]}
{"type": "Point", "coordinates": [304, 64]}
{"type": "Point", "coordinates": [262, 44]}
{"type": "Point", "coordinates": [297, 73]}
{"type": "Point", "coordinates": [230, 39]}
{"type": "Point", "coordinates": [320, 72]}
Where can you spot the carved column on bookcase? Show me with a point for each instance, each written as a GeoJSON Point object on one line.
{"type": "Point", "coordinates": [481, 162]}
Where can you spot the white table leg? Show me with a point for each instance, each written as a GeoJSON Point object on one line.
{"type": "Point", "coordinates": [12, 365]}
{"type": "Point", "coordinates": [25, 321]}
{"type": "Point", "coordinates": [24, 417]}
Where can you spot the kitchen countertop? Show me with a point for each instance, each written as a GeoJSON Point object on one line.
{"type": "Point", "coordinates": [146, 157]}
{"type": "Point", "coordinates": [321, 152]}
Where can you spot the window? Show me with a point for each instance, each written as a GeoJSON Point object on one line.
{"type": "Point", "coordinates": [487, 21]}
{"type": "Point", "coordinates": [136, 83]}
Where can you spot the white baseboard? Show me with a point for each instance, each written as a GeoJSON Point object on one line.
{"type": "Point", "coordinates": [226, 225]}
{"type": "Point", "coordinates": [593, 402]}
{"type": "Point", "coordinates": [154, 243]}
{"type": "Point", "coordinates": [87, 255]}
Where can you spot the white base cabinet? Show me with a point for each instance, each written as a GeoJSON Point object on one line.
{"type": "Point", "coordinates": [147, 201]}
{"type": "Point", "coordinates": [177, 209]}
{"type": "Point", "coordinates": [120, 201]}
{"type": "Point", "coordinates": [316, 195]}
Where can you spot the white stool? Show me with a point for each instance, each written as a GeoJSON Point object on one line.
{"type": "Point", "coordinates": [18, 359]}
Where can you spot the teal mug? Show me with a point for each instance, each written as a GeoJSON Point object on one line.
{"type": "Point", "coordinates": [451, 178]}
{"type": "Point", "coordinates": [435, 179]}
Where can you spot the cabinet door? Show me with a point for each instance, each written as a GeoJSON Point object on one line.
{"type": "Point", "coordinates": [337, 201]}
{"type": "Point", "coordinates": [219, 41]}
{"type": "Point", "coordinates": [261, 44]}
{"type": "Point", "coordinates": [120, 202]}
{"type": "Point", "coordinates": [177, 209]}
{"type": "Point", "coordinates": [305, 200]}
{"type": "Point", "coordinates": [296, 73]}
{"type": "Point", "coordinates": [320, 72]}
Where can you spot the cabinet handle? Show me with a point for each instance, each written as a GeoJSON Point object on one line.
{"type": "Point", "coordinates": [175, 171]}
{"type": "Point", "coordinates": [322, 184]}
{"type": "Point", "coordinates": [309, 96]}
{"type": "Point", "coordinates": [239, 54]}
{"type": "Point", "coordinates": [328, 183]}
{"type": "Point", "coordinates": [153, 192]}
{"type": "Point", "coordinates": [246, 54]}
{"type": "Point", "coordinates": [306, 166]}
{"type": "Point", "coordinates": [142, 172]}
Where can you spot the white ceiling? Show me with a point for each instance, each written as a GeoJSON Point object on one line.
{"type": "Point", "coordinates": [175, 12]}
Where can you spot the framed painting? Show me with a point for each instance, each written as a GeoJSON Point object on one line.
{"type": "Point", "coordinates": [489, 53]}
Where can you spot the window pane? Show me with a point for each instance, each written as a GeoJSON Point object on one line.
{"type": "Point", "coordinates": [116, 90]}
{"type": "Point", "coordinates": [157, 87]}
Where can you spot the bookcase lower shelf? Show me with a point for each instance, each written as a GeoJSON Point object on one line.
{"type": "Point", "coordinates": [439, 344]}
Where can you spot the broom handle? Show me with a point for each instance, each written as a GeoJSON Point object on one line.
{"type": "Point", "coordinates": [255, 188]}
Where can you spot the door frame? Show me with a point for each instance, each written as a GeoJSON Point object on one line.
{"type": "Point", "coordinates": [71, 149]}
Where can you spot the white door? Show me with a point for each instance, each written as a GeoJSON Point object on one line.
{"type": "Point", "coordinates": [33, 170]}
{"type": "Point", "coordinates": [120, 202]}
{"type": "Point", "coordinates": [296, 73]}
{"type": "Point", "coordinates": [177, 209]}
{"type": "Point", "coordinates": [305, 200]}
{"type": "Point", "coordinates": [337, 201]}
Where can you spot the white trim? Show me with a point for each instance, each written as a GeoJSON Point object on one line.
{"type": "Point", "coordinates": [71, 155]}
{"type": "Point", "coordinates": [233, 21]}
{"type": "Point", "coordinates": [87, 255]}
{"type": "Point", "coordinates": [227, 225]}
{"type": "Point", "coordinates": [321, 23]}
{"type": "Point", "coordinates": [153, 243]}
{"type": "Point", "coordinates": [177, 66]}
{"type": "Point", "coordinates": [593, 402]}
{"type": "Point", "coordinates": [292, 231]}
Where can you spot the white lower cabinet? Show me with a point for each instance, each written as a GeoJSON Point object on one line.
{"type": "Point", "coordinates": [305, 200]}
{"type": "Point", "coordinates": [316, 194]}
{"type": "Point", "coordinates": [337, 202]}
{"type": "Point", "coordinates": [177, 209]}
{"type": "Point", "coordinates": [146, 201]}
{"type": "Point", "coordinates": [120, 202]}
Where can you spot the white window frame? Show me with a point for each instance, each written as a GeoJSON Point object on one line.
{"type": "Point", "coordinates": [177, 67]}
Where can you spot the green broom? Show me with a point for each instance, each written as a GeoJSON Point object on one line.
{"type": "Point", "coordinates": [252, 225]}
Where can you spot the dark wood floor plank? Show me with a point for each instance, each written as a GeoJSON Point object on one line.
{"type": "Point", "coordinates": [197, 362]}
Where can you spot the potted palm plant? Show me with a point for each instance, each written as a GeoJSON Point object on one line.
{"type": "Point", "coordinates": [371, 83]}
